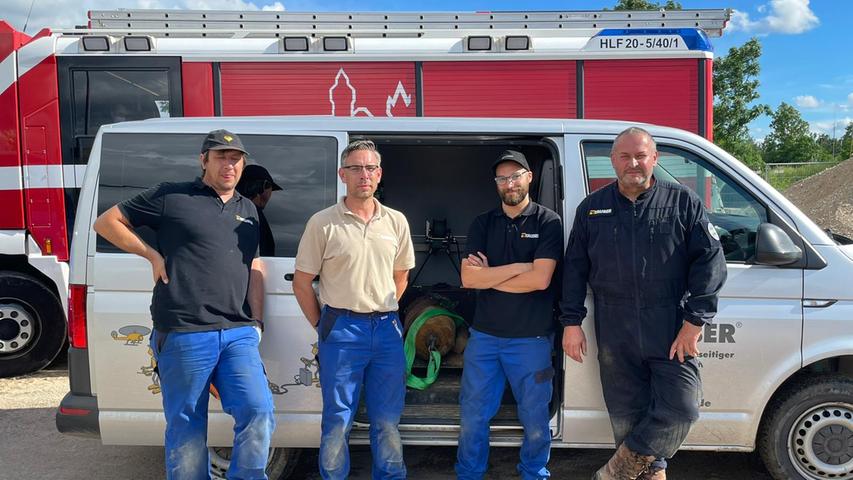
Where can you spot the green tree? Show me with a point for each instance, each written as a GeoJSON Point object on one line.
{"type": "Point", "coordinates": [847, 142]}
{"type": "Point", "coordinates": [646, 5]}
{"type": "Point", "coordinates": [828, 148]}
{"type": "Point", "coordinates": [735, 91]}
{"type": "Point", "coordinates": [790, 139]}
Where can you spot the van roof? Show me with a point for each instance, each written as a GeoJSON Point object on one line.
{"type": "Point", "coordinates": [413, 125]}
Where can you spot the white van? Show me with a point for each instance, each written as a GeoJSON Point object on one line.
{"type": "Point", "coordinates": [777, 363]}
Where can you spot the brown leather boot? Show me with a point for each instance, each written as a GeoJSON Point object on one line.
{"type": "Point", "coordinates": [624, 465]}
{"type": "Point", "coordinates": [653, 474]}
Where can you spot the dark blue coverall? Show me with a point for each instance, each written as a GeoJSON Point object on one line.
{"type": "Point", "coordinates": [652, 264]}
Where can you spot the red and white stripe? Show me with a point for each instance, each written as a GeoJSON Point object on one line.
{"type": "Point", "coordinates": [41, 154]}
{"type": "Point", "coordinates": [11, 182]}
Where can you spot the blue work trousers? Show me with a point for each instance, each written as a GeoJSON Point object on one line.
{"type": "Point", "coordinates": [188, 362]}
{"type": "Point", "coordinates": [361, 349]}
{"type": "Point", "coordinates": [489, 363]}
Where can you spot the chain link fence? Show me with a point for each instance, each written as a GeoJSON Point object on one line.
{"type": "Point", "coordinates": [783, 175]}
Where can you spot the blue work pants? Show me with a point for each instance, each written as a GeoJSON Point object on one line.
{"type": "Point", "coordinates": [489, 363]}
{"type": "Point", "coordinates": [188, 362]}
{"type": "Point", "coordinates": [354, 350]}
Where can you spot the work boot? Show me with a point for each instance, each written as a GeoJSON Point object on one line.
{"type": "Point", "coordinates": [624, 465]}
{"type": "Point", "coordinates": [653, 473]}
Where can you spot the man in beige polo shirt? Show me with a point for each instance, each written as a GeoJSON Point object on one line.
{"type": "Point", "coordinates": [362, 252]}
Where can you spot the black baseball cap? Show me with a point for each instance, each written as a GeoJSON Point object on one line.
{"type": "Point", "coordinates": [222, 140]}
{"type": "Point", "coordinates": [257, 173]}
{"type": "Point", "coordinates": [511, 156]}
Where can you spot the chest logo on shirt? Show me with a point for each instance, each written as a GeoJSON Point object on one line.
{"type": "Point", "coordinates": [600, 212]}
{"type": "Point", "coordinates": [244, 220]}
{"type": "Point", "coordinates": [529, 235]}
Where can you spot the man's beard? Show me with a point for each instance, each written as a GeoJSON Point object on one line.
{"type": "Point", "coordinates": [511, 198]}
{"type": "Point", "coordinates": [631, 180]}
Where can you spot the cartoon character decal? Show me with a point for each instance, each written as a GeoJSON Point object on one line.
{"type": "Point", "coordinates": [307, 376]}
{"type": "Point", "coordinates": [150, 370]}
{"type": "Point", "coordinates": [134, 335]}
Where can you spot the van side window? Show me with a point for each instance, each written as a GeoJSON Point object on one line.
{"type": "Point", "coordinates": [734, 212]}
{"type": "Point", "coordinates": [305, 167]}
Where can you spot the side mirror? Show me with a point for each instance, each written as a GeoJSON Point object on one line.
{"type": "Point", "coordinates": [774, 247]}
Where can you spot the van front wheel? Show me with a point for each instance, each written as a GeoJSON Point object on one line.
{"type": "Point", "coordinates": [808, 432]}
{"type": "Point", "coordinates": [280, 465]}
{"type": "Point", "coordinates": [32, 324]}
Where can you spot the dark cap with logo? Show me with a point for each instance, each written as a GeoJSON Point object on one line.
{"type": "Point", "coordinates": [256, 173]}
{"type": "Point", "coordinates": [511, 156]}
{"type": "Point", "coordinates": [222, 140]}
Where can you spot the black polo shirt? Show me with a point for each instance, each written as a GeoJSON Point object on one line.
{"type": "Point", "coordinates": [535, 233]}
{"type": "Point", "coordinates": [208, 246]}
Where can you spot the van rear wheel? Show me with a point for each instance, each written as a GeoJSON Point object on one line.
{"type": "Point", "coordinates": [32, 324]}
{"type": "Point", "coordinates": [808, 432]}
{"type": "Point", "coordinates": [280, 465]}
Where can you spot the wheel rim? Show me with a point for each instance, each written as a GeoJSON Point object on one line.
{"type": "Point", "coordinates": [821, 442]}
{"type": "Point", "coordinates": [220, 459]}
{"type": "Point", "coordinates": [17, 327]}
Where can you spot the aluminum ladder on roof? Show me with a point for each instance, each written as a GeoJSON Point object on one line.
{"type": "Point", "coordinates": [272, 23]}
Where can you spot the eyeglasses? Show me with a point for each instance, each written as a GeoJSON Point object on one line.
{"type": "Point", "coordinates": [356, 169]}
{"type": "Point", "coordinates": [514, 178]}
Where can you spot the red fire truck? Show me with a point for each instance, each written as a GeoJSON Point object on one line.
{"type": "Point", "coordinates": [59, 86]}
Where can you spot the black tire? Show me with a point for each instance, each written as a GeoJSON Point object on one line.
{"type": "Point", "coordinates": [32, 327]}
{"type": "Point", "coordinates": [808, 430]}
{"type": "Point", "coordinates": [280, 465]}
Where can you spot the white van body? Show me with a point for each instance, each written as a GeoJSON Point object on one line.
{"type": "Point", "coordinates": [778, 353]}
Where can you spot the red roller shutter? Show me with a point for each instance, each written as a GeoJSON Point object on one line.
{"type": "Point", "coordinates": [545, 89]}
{"type": "Point", "coordinates": [345, 89]}
{"type": "Point", "coordinates": [664, 92]}
{"type": "Point", "coordinates": [197, 82]}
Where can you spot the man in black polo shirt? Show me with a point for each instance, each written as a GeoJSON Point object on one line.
{"type": "Point", "coordinates": [208, 296]}
{"type": "Point", "coordinates": [512, 252]}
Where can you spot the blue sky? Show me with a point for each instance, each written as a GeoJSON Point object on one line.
{"type": "Point", "coordinates": [807, 60]}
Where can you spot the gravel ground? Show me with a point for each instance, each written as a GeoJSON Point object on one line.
{"type": "Point", "coordinates": [31, 448]}
{"type": "Point", "coordinates": [827, 198]}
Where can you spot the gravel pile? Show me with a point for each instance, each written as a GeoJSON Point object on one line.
{"type": "Point", "coordinates": [827, 198]}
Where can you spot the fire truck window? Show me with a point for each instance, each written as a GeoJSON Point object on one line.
{"type": "Point", "coordinates": [305, 168]}
{"type": "Point", "coordinates": [103, 97]}
{"type": "Point", "coordinates": [734, 212]}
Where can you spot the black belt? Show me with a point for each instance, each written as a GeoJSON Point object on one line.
{"type": "Point", "coordinates": [364, 316]}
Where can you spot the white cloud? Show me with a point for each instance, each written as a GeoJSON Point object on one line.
{"type": "Point", "coordinates": [69, 13]}
{"type": "Point", "coordinates": [783, 16]}
{"type": "Point", "coordinates": [850, 99]}
{"type": "Point", "coordinates": [825, 126]}
{"type": "Point", "coordinates": [807, 101]}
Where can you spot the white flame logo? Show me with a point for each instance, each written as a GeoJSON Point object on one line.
{"type": "Point", "coordinates": [399, 93]}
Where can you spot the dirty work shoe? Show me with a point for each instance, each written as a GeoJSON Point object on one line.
{"type": "Point", "coordinates": [653, 474]}
{"type": "Point", "coordinates": [624, 465]}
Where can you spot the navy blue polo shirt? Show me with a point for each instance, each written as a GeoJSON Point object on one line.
{"type": "Point", "coordinates": [208, 246]}
{"type": "Point", "coordinates": [535, 233]}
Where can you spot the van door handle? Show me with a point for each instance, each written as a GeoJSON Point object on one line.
{"type": "Point", "coordinates": [288, 277]}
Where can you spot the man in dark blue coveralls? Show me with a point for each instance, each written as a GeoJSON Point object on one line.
{"type": "Point", "coordinates": [655, 266]}
{"type": "Point", "coordinates": [513, 251]}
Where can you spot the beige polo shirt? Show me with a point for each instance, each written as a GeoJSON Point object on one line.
{"type": "Point", "coordinates": [356, 260]}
